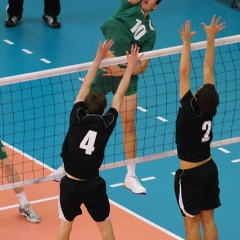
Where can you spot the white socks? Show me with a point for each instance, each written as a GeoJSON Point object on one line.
{"type": "Point", "coordinates": [22, 198]}
{"type": "Point", "coordinates": [131, 170]}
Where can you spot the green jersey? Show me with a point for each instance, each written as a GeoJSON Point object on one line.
{"type": "Point", "coordinates": [128, 26]}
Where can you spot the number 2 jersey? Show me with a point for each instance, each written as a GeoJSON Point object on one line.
{"type": "Point", "coordinates": [193, 131]}
{"type": "Point", "coordinates": [85, 142]}
{"type": "Point", "coordinates": [128, 26]}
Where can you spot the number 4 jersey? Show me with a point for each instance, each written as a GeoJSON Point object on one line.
{"type": "Point", "coordinates": [87, 137]}
{"type": "Point", "coordinates": [193, 131]}
{"type": "Point", "coordinates": [129, 26]}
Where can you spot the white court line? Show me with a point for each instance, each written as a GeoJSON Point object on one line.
{"type": "Point", "coordinates": [224, 150]}
{"type": "Point", "coordinates": [236, 160]}
{"type": "Point", "coordinates": [29, 157]}
{"type": "Point", "coordinates": [173, 173]}
{"type": "Point", "coordinates": [26, 51]}
{"type": "Point", "coordinates": [45, 60]}
{"type": "Point", "coordinates": [32, 202]}
{"type": "Point", "coordinates": [142, 109]}
{"type": "Point", "coordinates": [8, 42]}
{"type": "Point", "coordinates": [148, 179]}
{"type": "Point", "coordinates": [113, 203]}
{"type": "Point", "coordinates": [162, 119]}
{"type": "Point", "coordinates": [145, 220]}
{"type": "Point", "coordinates": [116, 185]}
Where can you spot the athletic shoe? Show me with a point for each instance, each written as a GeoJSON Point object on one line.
{"type": "Point", "coordinates": [12, 21]}
{"type": "Point", "coordinates": [59, 173]}
{"type": "Point", "coordinates": [51, 21]}
{"type": "Point", "coordinates": [29, 213]}
{"type": "Point", "coordinates": [132, 183]}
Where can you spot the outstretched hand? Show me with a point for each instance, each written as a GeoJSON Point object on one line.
{"type": "Point", "coordinates": [103, 49]}
{"type": "Point", "coordinates": [214, 27]}
{"type": "Point", "coordinates": [133, 58]}
{"type": "Point", "coordinates": [186, 33]}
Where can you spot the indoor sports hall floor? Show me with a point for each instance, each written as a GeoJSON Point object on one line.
{"type": "Point", "coordinates": [151, 217]}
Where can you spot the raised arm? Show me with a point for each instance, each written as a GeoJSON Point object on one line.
{"type": "Point", "coordinates": [101, 53]}
{"type": "Point", "coordinates": [134, 1]}
{"type": "Point", "coordinates": [123, 86]}
{"type": "Point", "coordinates": [211, 31]}
{"type": "Point", "coordinates": [185, 64]}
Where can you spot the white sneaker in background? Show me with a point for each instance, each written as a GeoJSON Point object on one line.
{"type": "Point", "coordinates": [132, 183]}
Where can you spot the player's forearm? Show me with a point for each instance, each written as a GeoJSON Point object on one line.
{"type": "Point", "coordinates": [125, 80]}
{"type": "Point", "coordinates": [185, 64]}
{"type": "Point", "coordinates": [134, 1]}
{"type": "Point", "coordinates": [92, 72]}
{"type": "Point", "coordinates": [210, 52]}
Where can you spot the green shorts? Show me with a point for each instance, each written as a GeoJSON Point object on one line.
{"type": "Point", "coordinates": [106, 84]}
{"type": "Point", "coordinates": [3, 153]}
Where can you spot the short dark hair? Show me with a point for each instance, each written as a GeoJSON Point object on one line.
{"type": "Point", "coordinates": [158, 1]}
{"type": "Point", "coordinates": [95, 103]}
{"type": "Point", "coordinates": [207, 98]}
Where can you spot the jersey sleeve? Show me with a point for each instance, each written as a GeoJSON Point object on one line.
{"type": "Point", "coordinates": [149, 44]}
{"type": "Point", "coordinates": [77, 113]}
{"type": "Point", "coordinates": [110, 118]}
{"type": "Point", "coordinates": [188, 103]}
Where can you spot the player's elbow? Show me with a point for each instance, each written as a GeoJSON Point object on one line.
{"type": "Point", "coordinates": [184, 72]}
{"type": "Point", "coordinates": [208, 66]}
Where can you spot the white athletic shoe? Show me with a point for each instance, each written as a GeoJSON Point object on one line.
{"type": "Point", "coordinates": [59, 173]}
{"type": "Point", "coordinates": [28, 211]}
{"type": "Point", "coordinates": [132, 183]}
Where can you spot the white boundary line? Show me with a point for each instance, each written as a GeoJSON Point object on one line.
{"type": "Point", "coordinates": [145, 220]}
{"type": "Point", "coordinates": [113, 203]}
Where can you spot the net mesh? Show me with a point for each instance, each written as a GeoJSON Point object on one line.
{"type": "Point", "coordinates": [35, 110]}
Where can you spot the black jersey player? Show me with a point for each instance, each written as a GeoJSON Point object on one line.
{"type": "Point", "coordinates": [83, 149]}
{"type": "Point", "coordinates": [196, 182]}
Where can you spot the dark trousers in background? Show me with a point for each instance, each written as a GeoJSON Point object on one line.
{"type": "Point", "coordinates": [51, 7]}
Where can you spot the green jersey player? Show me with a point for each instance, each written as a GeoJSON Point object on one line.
{"type": "Point", "coordinates": [130, 24]}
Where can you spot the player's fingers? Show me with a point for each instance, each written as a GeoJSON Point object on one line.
{"type": "Point", "coordinates": [213, 19]}
{"type": "Point", "coordinates": [217, 21]}
{"type": "Point", "coordinates": [193, 33]}
{"type": "Point", "coordinates": [183, 28]}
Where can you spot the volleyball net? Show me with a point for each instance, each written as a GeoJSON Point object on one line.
{"type": "Point", "coordinates": [35, 110]}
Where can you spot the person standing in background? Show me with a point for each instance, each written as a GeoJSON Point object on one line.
{"type": "Point", "coordinates": [51, 11]}
{"type": "Point", "coordinates": [12, 176]}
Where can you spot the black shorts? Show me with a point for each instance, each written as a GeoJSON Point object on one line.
{"type": "Point", "coordinates": [91, 193]}
{"type": "Point", "coordinates": [197, 189]}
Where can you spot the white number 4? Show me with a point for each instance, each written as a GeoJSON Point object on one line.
{"type": "Point", "coordinates": [206, 126]}
{"type": "Point", "coordinates": [88, 142]}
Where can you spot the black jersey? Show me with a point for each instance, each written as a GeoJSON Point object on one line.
{"type": "Point", "coordinates": [87, 137]}
{"type": "Point", "coordinates": [193, 131]}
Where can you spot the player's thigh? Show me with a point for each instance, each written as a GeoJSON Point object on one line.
{"type": "Point", "coordinates": [212, 194]}
{"type": "Point", "coordinates": [70, 198]}
{"type": "Point", "coordinates": [192, 223]}
{"type": "Point", "coordinates": [189, 188]}
{"type": "Point", "coordinates": [96, 200]}
{"type": "Point", "coordinates": [3, 155]}
{"type": "Point", "coordinates": [207, 216]}
{"type": "Point", "coordinates": [128, 108]}
{"type": "Point", "coordinates": [105, 84]}
{"type": "Point", "coordinates": [65, 227]}
{"type": "Point", "coordinates": [106, 229]}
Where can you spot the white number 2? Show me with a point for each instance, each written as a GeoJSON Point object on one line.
{"type": "Point", "coordinates": [206, 126]}
{"type": "Point", "coordinates": [88, 142]}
